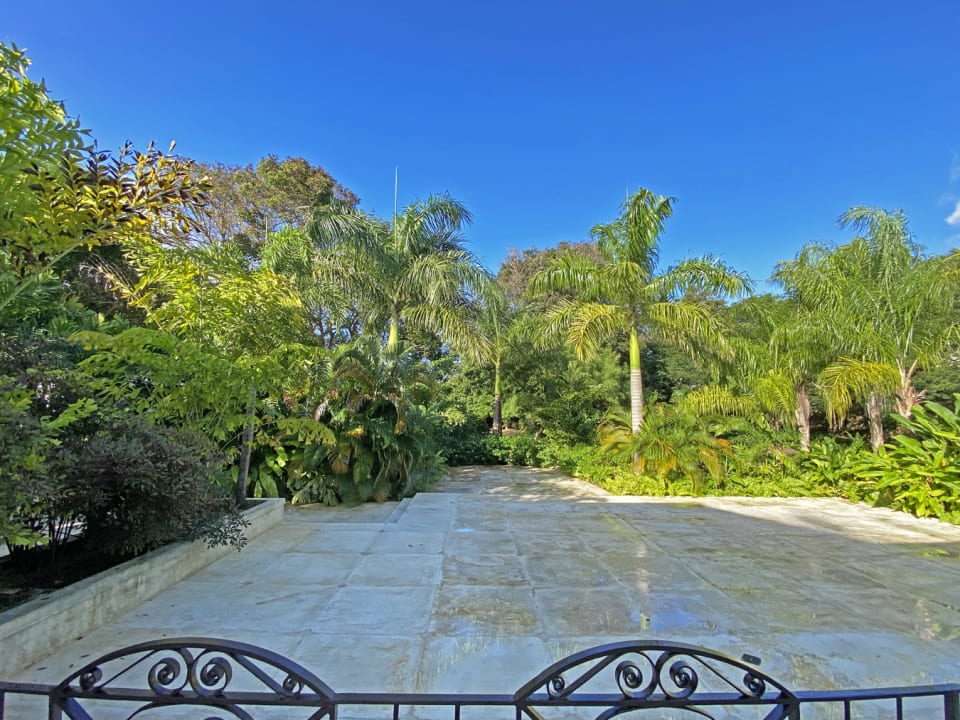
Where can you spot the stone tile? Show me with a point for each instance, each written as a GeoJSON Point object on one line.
{"type": "Point", "coordinates": [331, 539]}
{"type": "Point", "coordinates": [567, 571]}
{"type": "Point", "coordinates": [395, 541]}
{"type": "Point", "coordinates": [298, 568]}
{"type": "Point", "coordinates": [361, 663]}
{"type": "Point", "coordinates": [571, 611]}
{"type": "Point", "coordinates": [547, 543]}
{"type": "Point", "coordinates": [193, 610]}
{"type": "Point", "coordinates": [397, 570]}
{"type": "Point", "coordinates": [698, 611]}
{"type": "Point", "coordinates": [481, 587]}
{"type": "Point", "coordinates": [373, 513]}
{"type": "Point", "coordinates": [489, 570]}
{"type": "Point", "coordinates": [462, 543]}
{"type": "Point", "coordinates": [480, 663]}
{"type": "Point", "coordinates": [649, 574]}
{"type": "Point", "coordinates": [485, 610]}
{"type": "Point", "coordinates": [372, 610]}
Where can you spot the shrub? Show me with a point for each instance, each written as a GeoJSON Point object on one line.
{"type": "Point", "coordinates": [467, 443]}
{"type": "Point", "coordinates": [919, 470]}
{"type": "Point", "coordinates": [518, 450]}
{"type": "Point", "coordinates": [140, 486]}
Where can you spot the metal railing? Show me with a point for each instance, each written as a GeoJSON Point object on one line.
{"type": "Point", "coordinates": [658, 679]}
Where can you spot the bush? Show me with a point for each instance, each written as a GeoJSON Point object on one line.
{"type": "Point", "coordinates": [919, 470]}
{"type": "Point", "coordinates": [467, 443]}
{"type": "Point", "coordinates": [140, 486]}
{"type": "Point", "coordinates": [518, 450]}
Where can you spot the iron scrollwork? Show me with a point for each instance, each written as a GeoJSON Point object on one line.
{"type": "Point", "coordinates": [198, 671]}
{"type": "Point", "coordinates": [652, 675]}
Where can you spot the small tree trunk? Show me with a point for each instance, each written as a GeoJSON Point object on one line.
{"type": "Point", "coordinates": [908, 397]}
{"type": "Point", "coordinates": [802, 413]}
{"type": "Point", "coordinates": [497, 403]}
{"type": "Point", "coordinates": [636, 384]}
{"type": "Point", "coordinates": [874, 408]}
{"type": "Point", "coordinates": [246, 445]}
{"type": "Point", "coordinates": [393, 335]}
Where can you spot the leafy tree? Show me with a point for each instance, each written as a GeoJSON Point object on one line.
{"type": "Point", "coordinates": [35, 132]}
{"type": "Point", "coordinates": [519, 268]}
{"type": "Point", "coordinates": [248, 203]}
{"type": "Point", "coordinates": [329, 295]}
{"type": "Point", "coordinates": [252, 319]}
{"type": "Point", "coordinates": [890, 308]}
{"type": "Point", "coordinates": [623, 294]}
{"type": "Point", "coordinates": [919, 470]}
{"type": "Point", "coordinates": [384, 445]}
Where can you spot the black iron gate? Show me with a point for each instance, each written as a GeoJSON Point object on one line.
{"type": "Point", "coordinates": [209, 679]}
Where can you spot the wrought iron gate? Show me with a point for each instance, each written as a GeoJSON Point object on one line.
{"type": "Point", "coordinates": [219, 679]}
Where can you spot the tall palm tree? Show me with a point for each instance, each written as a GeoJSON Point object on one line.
{"type": "Point", "coordinates": [891, 310]}
{"type": "Point", "coordinates": [622, 293]}
{"type": "Point", "coordinates": [414, 271]}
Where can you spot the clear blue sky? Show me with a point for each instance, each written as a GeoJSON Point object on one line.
{"type": "Point", "coordinates": [765, 119]}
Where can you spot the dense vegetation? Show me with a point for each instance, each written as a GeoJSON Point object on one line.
{"type": "Point", "coordinates": [183, 335]}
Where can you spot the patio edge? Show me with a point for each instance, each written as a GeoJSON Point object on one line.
{"type": "Point", "coordinates": [38, 628]}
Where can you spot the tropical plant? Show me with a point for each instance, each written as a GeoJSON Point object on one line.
{"type": "Point", "coordinates": [919, 470]}
{"type": "Point", "coordinates": [892, 312]}
{"type": "Point", "coordinates": [622, 294]}
{"type": "Point", "coordinates": [673, 445]}
{"type": "Point", "coordinates": [377, 409]}
{"type": "Point", "coordinates": [780, 347]}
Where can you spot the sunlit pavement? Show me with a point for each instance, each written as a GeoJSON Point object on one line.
{"type": "Point", "coordinates": [484, 582]}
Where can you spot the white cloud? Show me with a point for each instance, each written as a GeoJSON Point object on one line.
{"type": "Point", "coordinates": [954, 218]}
{"type": "Point", "coordinates": [954, 167]}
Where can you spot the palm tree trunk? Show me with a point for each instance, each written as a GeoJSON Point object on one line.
{"type": "Point", "coordinates": [245, 449]}
{"type": "Point", "coordinates": [393, 335]}
{"type": "Point", "coordinates": [497, 403]}
{"type": "Point", "coordinates": [908, 397]}
{"type": "Point", "coordinates": [802, 413]}
{"type": "Point", "coordinates": [636, 383]}
{"type": "Point", "coordinates": [875, 418]}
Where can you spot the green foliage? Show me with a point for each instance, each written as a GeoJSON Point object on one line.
{"type": "Point", "coordinates": [919, 470]}
{"type": "Point", "coordinates": [622, 295]}
{"type": "Point", "coordinates": [129, 468]}
{"type": "Point", "coordinates": [247, 203]}
{"type": "Point", "coordinates": [674, 445]}
{"type": "Point", "coordinates": [828, 465]}
{"type": "Point", "coordinates": [41, 408]}
{"type": "Point", "coordinates": [35, 132]}
{"type": "Point", "coordinates": [171, 381]}
{"type": "Point", "coordinates": [467, 443]}
{"type": "Point", "coordinates": [70, 462]}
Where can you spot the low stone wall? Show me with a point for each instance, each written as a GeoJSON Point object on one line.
{"type": "Point", "coordinates": [31, 631]}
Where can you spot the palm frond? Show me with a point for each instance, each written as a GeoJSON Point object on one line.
{"type": "Point", "coordinates": [847, 380]}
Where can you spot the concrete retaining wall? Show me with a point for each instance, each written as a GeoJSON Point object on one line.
{"type": "Point", "coordinates": [31, 631]}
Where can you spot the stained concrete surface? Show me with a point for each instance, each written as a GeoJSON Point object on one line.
{"type": "Point", "coordinates": [499, 572]}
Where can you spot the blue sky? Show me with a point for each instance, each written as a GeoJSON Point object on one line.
{"type": "Point", "coordinates": [764, 119]}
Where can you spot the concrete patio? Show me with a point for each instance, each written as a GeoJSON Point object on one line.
{"type": "Point", "coordinates": [501, 571]}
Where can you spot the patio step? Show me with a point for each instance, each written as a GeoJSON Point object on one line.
{"type": "Point", "coordinates": [399, 510]}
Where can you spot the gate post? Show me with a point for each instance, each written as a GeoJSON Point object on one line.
{"type": "Point", "coordinates": [951, 705]}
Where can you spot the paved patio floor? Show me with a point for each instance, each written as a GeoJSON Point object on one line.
{"type": "Point", "coordinates": [501, 571]}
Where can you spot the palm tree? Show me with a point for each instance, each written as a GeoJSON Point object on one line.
{"type": "Point", "coordinates": [780, 349]}
{"type": "Point", "coordinates": [415, 271]}
{"type": "Point", "coordinates": [890, 308]}
{"type": "Point", "coordinates": [623, 294]}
